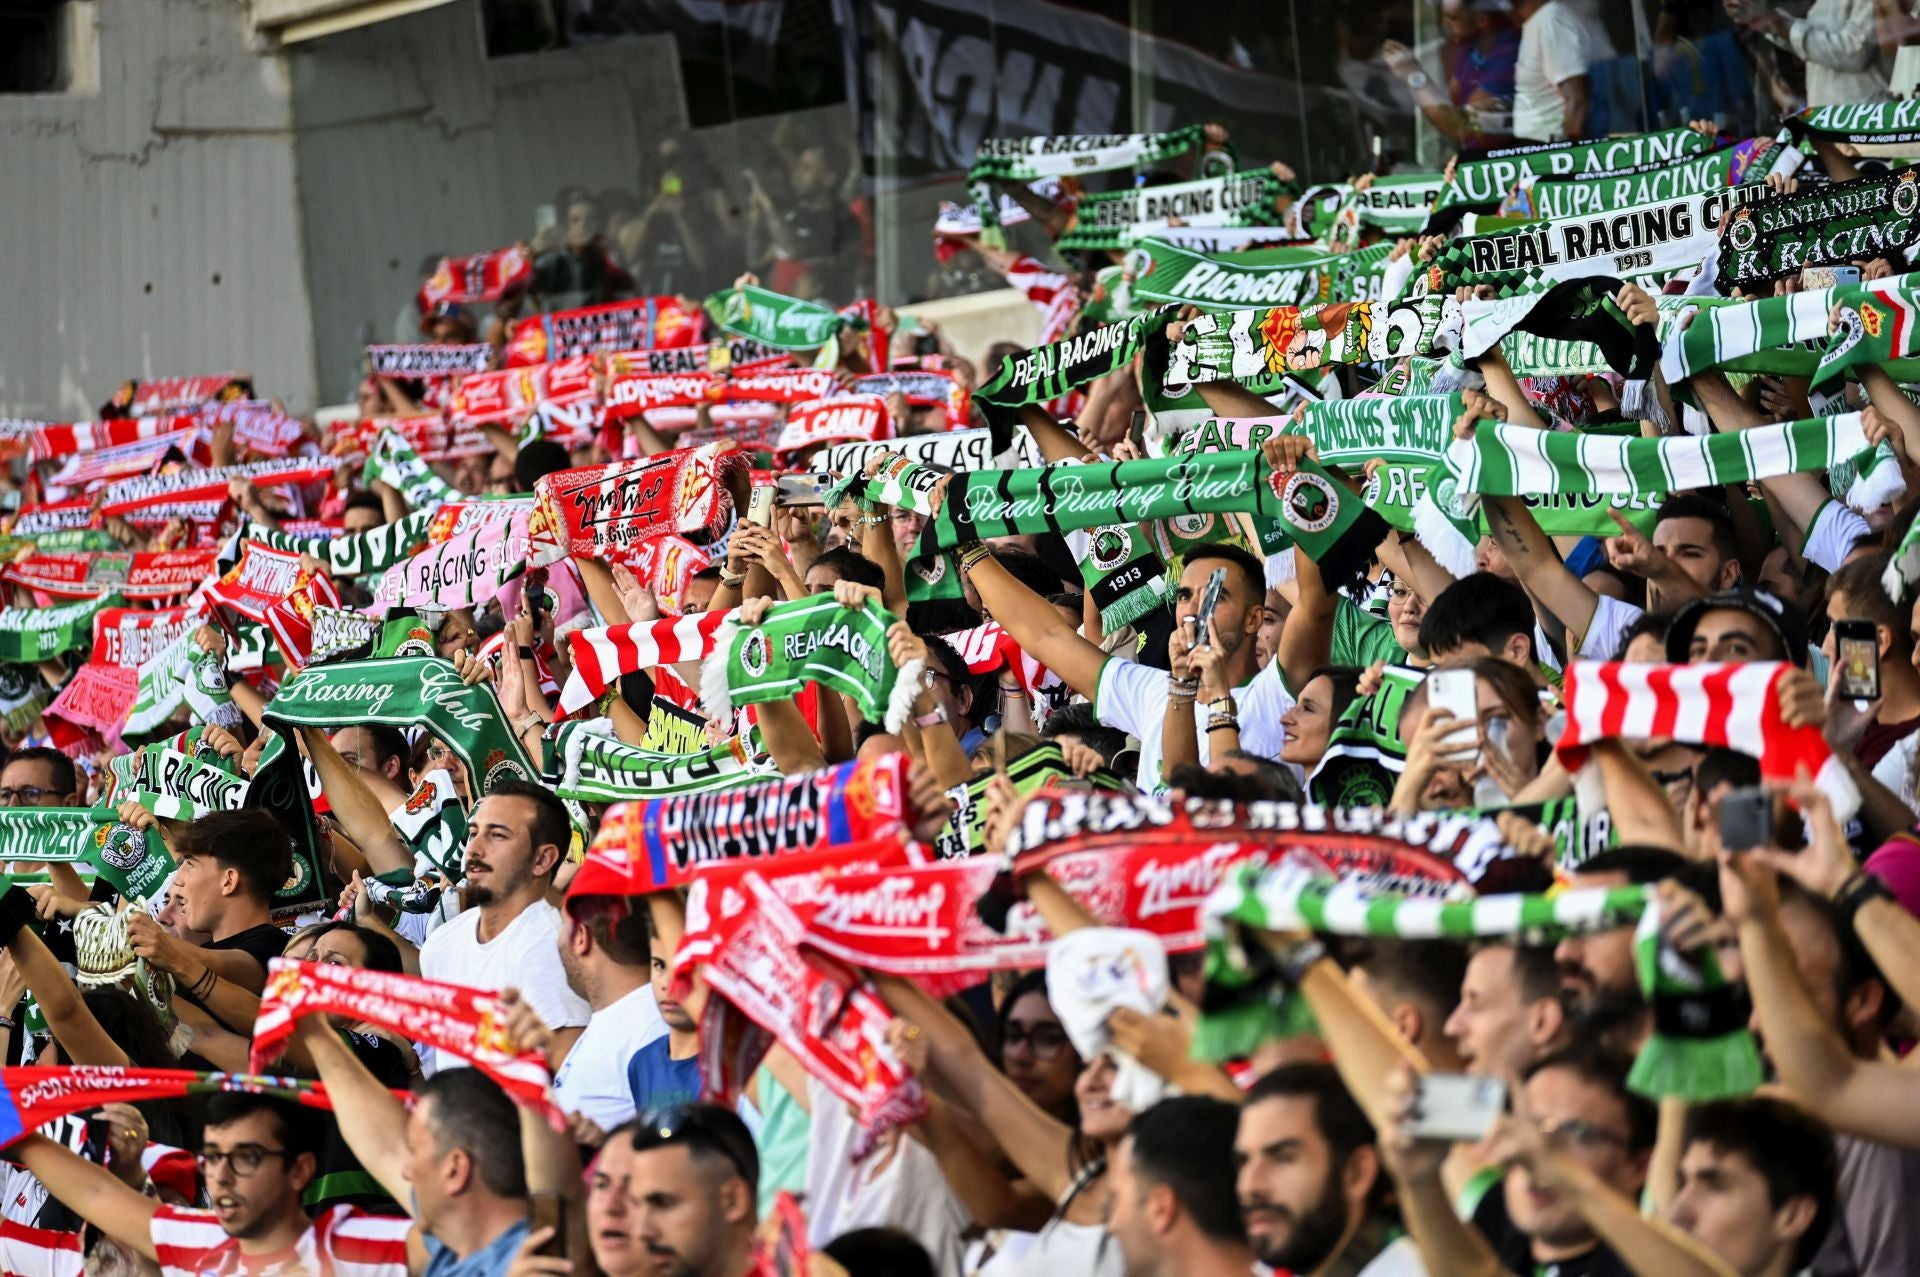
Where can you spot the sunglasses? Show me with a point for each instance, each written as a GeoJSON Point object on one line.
{"type": "Point", "coordinates": [701, 1127]}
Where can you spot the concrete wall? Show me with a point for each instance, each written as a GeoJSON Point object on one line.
{"type": "Point", "coordinates": [410, 142]}
{"type": "Point", "coordinates": [149, 228]}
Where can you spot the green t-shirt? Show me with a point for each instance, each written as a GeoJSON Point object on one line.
{"type": "Point", "coordinates": [1361, 638]}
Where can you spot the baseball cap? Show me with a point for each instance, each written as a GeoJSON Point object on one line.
{"type": "Point", "coordinates": [1782, 617]}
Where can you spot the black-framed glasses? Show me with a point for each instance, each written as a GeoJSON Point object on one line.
{"type": "Point", "coordinates": [24, 796]}
{"type": "Point", "coordinates": [930, 676]}
{"type": "Point", "coordinates": [1044, 1040]}
{"type": "Point", "coordinates": [245, 1159]}
{"type": "Point", "coordinates": [1580, 1133]}
{"type": "Point", "coordinates": [706, 1127]}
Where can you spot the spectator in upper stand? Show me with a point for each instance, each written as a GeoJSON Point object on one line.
{"type": "Point", "coordinates": [1550, 83]}
{"type": "Point", "coordinates": [1836, 38]}
{"type": "Point", "coordinates": [1476, 109]}
{"type": "Point", "coordinates": [581, 272]}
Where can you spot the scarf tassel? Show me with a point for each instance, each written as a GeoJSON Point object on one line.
{"type": "Point", "coordinates": [1247, 1003]}
{"type": "Point", "coordinates": [1700, 1049]}
{"type": "Point", "coordinates": [907, 685]}
{"type": "Point", "coordinates": [1443, 538]}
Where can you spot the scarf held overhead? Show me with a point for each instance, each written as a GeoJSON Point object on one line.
{"type": "Point", "coordinates": [811, 640]}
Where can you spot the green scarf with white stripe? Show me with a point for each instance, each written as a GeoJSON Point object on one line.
{"type": "Point", "coordinates": [812, 640]}
{"type": "Point", "coordinates": [1026, 159]}
{"type": "Point", "coordinates": [1104, 221]}
{"type": "Point", "coordinates": [588, 764]}
{"type": "Point", "coordinates": [29, 634]}
{"type": "Point", "coordinates": [1484, 182]}
{"type": "Point", "coordinates": [1266, 277]}
{"type": "Point", "coordinates": [392, 461]}
{"type": "Point", "coordinates": [173, 785]}
{"type": "Point", "coordinates": [773, 319]}
{"type": "Point", "coordinates": [352, 554]}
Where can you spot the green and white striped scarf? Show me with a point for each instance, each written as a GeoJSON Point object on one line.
{"type": "Point", "coordinates": [812, 640]}
{"type": "Point", "coordinates": [587, 763]}
{"type": "Point", "coordinates": [174, 785]}
{"type": "Point", "coordinates": [166, 677]}
{"type": "Point", "coordinates": [1025, 159]}
{"type": "Point", "coordinates": [1506, 460]}
{"type": "Point", "coordinates": [391, 460]}
{"type": "Point", "coordinates": [1484, 182]}
{"type": "Point", "coordinates": [1860, 123]}
{"type": "Point", "coordinates": [1103, 221]}
{"type": "Point", "coordinates": [1785, 335]}
{"type": "Point", "coordinates": [1047, 372]}
{"type": "Point", "coordinates": [352, 554]}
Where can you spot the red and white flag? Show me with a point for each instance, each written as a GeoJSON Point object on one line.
{"type": "Point", "coordinates": [1735, 705]}
{"type": "Point", "coordinates": [602, 655]}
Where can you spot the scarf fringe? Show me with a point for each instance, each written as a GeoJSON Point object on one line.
{"type": "Point", "coordinates": [715, 698]}
{"type": "Point", "coordinates": [1640, 402]}
{"type": "Point", "coordinates": [1882, 484]}
{"type": "Point", "coordinates": [906, 689]}
{"type": "Point", "coordinates": [1442, 538]}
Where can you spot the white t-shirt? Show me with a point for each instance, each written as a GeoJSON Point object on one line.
{"type": "Point", "coordinates": [1401, 1258]}
{"type": "Point", "coordinates": [1133, 698]}
{"type": "Point", "coordinates": [524, 956]}
{"type": "Point", "coordinates": [1553, 48]}
{"type": "Point", "coordinates": [1835, 528]}
{"type": "Point", "coordinates": [593, 1077]}
{"type": "Point", "coordinates": [905, 1191]}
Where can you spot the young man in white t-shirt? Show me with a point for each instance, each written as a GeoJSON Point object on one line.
{"type": "Point", "coordinates": [1550, 83]}
{"type": "Point", "coordinates": [603, 946]}
{"type": "Point", "coordinates": [509, 935]}
{"type": "Point", "coordinates": [1134, 697]}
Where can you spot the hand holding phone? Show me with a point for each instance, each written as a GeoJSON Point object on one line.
{"type": "Point", "coordinates": [1209, 600]}
{"type": "Point", "coordinates": [1456, 693]}
{"type": "Point", "coordinates": [1746, 819]}
{"type": "Point", "coordinates": [1856, 647]}
{"type": "Point", "coordinates": [760, 506]}
{"type": "Point", "coordinates": [1456, 1106]}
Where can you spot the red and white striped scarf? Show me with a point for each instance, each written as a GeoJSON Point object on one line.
{"type": "Point", "coordinates": [602, 655]}
{"type": "Point", "coordinates": [1733, 705]}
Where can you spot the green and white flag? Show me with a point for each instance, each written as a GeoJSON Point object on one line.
{"type": "Point", "coordinates": [1234, 199]}
{"type": "Point", "coordinates": [1025, 159]}
{"type": "Point", "coordinates": [812, 640]}
{"type": "Point", "coordinates": [391, 460]}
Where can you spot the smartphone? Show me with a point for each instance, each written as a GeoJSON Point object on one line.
{"type": "Point", "coordinates": [926, 344]}
{"type": "Point", "coordinates": [1456, 1106]}
{"type": "Point", "coordinates": [1817, 277]}
{"type": "Point", "coordinates": [760, 506]}
{"type": "Point", "coordinates": [1209, 600]}
{"type": "Point", "coordinates": [1856, 648]}
{"type": "Point", "coordinates": [545, 218]}
{"type": "Point", "coordinates": [549, 1210]}
{"type": "Point", "coordinates": [1746, 819]}
{"type": "Point", "coordinates": [801, 489]}
{"type": "Point", "coordinates": [1457, 692]}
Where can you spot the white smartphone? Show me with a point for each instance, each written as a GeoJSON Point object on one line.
{"type": "Point", "coordinates": [1456, 692]}
{"type": "Point", "coordinates": [1456, 1106]}
{"type": "Point", "coordinates": [760, 505]}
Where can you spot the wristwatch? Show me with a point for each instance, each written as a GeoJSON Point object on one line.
{"type": "Point", "coordinates": [1224, 706]}
{"type": "Point", "coordinates": [1418, 80]}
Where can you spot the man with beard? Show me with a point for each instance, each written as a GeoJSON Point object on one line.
{"type": "Point", "coordinates": [1310, 1184]}
{"type": "Point", "coordinates": [1597, 980]}
{"type": "Point", "coordinates": [258, 1155]}
{"type": "Point", "coordinates": [509, 934]}
{"type": "Point", "coordinates": [1172, 1192]}
{"type": "Point", "coordinates": [691, 1189]}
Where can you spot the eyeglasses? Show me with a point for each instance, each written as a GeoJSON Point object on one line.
{"type": "Point", "coordinates": [439, 752]}
{"type": "Point", "coordinates": [1044, 1040]}
{"type": "Point", "coordinates": [699, 1126]}
{"type": "Point", "coordinates": [245, 1159]}
{"type": "Point", "coordinates": [25, 796]}
{"type": "Point", "coordinates": [1399, 593]}
{"type": "Point", "coordinates": [927, 679]}
{"type": "Point", "coordinates": [1583, 1133]}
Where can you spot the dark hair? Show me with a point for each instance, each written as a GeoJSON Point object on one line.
{"type": "Point", "coordinates": [1250, 567]}
{"type": "Point", "coordinates": [851, 565]}
{"type": "Point", "coordinates": [1642, 865]}
{"type": "Point", "coordinates": [1518, 693]}
{"type": "Point", "coordinates": [1728, 767]}
{"type": "Point", "coordinates": [1647, 623]}
{"type": "Point", "coordinates": [1860, 582]}
{"type": "Point", "coordinates": [1429, 972]}
{"type": "Point", "coordinates": [1481, 608]}
{"type": "Point", "coordinates": [382, 954]}
{"type": "Point", "coordinates": [1186, 1144]}
{"type": "Point", "coordinates": [1338, 1117]}
{"type": "Point", "coordinates": [66, 780]}
{"type": "Point", "coordinates": [879, 1252]}
{"type": "Point", "coordinates": [1030, 570]}
{"type": "Point", "coordinates": [302, 1129]}
{"type": "Point", "coordinates": [551, 826]}
{"type": "Point", "coordinates": [1346, 686]}
{"type": "Point", "coordinates": [250, 840]}
{"type": "Point", "coordinates": [1077, 720]}
{"type": "Point", "coordinates": [365, 500]}
{"type": "Point", "coordinates": [954, 666]}
{"type": "Point", "coordinates": [387, 742]}
{"type": "Point", "coordinates": [133, 1026]}
{"type": "Point", "coordinates": [1198, 782]}
{"type": "Point", "coordinates": [1855, 965]}
{"type": "Point", "coordinates": [1789, 1149]}
{"type": "Point", "coordinates": [1692, 505]}
{"type": "Point", "coordinates": [537, 460]}
{"type": "Point", "coordinates": [471, 1112]}
{"type": "Point", "coordinates": [1608, 1071]}
{"type": "Point", "coordinates": [618, 928]}
{"type": "Point", "coordinates": [706, 1131]}
{"type": "Point", "coordinates": [1536, 972]}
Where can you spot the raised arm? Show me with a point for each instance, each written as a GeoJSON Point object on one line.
{"type": "Point", "coordinates": [1034, 623]}
{"type": "Point", "coordinates": [372, 1121]}
{"type": "Point", "coordinates": [360, 814]}
{"type": "Point", "coordinates": [92, 1192]}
